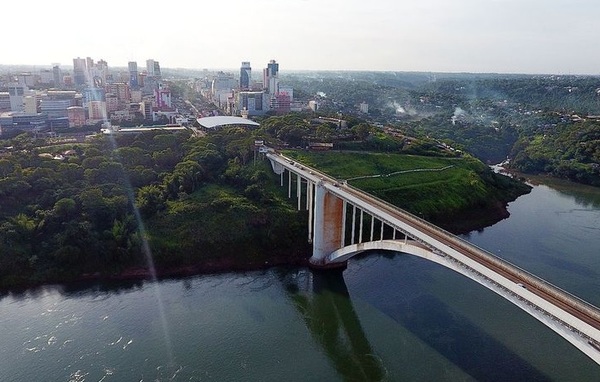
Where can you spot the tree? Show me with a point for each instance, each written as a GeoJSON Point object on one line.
{"type": "Point", "coordinates": [361, 131]}
{"type": "Point", "coordinates": [150, 199]}
{"type": "Point", "coordinates": [186, 177]}
{"type": "Point", "coordinates": [6, 168]}
{"type": "Point", "coordinates": [133, 156]}
{"type": "Point", "coordinates": [64, 209]}
{"type": "Point", "coordinates": [293, 135]}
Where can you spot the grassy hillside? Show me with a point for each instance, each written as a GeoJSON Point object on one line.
{"type": "Point", "coordinates": [432, 187]}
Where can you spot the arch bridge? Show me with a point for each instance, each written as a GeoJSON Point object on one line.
{"type": "Point", "coordinates": [344, 221]}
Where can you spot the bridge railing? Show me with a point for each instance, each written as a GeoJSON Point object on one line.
{"type": "Point", "coordinates": [532, 279]}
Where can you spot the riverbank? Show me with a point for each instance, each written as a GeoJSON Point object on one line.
{"type": "Point", "coordinates": [237, 221]}
{"type": "Point", "coordinates": [467, 221]}
{"type": "Point", "coordinates": [475, 219]}
{"type": "Point", "coordinates": [221, 265]}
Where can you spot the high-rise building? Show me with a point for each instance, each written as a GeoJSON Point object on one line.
{"type": "Point", "coordinates": [57, 75]}
{"type": "Point", "coordinates": [98, 73]}
{"type": "Point", "coordinates": [245, 75]}
{"type": "Point", "coordinates": [152, 68]}
{"type": "Point", "coordinates": [17, 92]}
{"type": "Point", "coordinates": [67, 80]}
{"type": "Point", "coordinates": [271, 77]}
{"type": "Point", "coordinates": [281, 103]}
{"type": "Point", "coordinates": [93, 94]}
{"type": "Point", "coordinates": [79, 71]}
{"type": "Point", "coordinates": [121, 90]}
{"type": "Point", "coordinates": [146, 109]}
{"type": "Point", "coordinates": [251, 103]}
{"type": "Point", "coordinates": [162, 98]}
{"type": "Point", "coordinates": [112, 102]}
{"type": "Point", "coordinates": [26, 79]}
{"type": "Point", "coordinates": [289, 91]}
{"type": "Point", "coordinates": [222, 86]}
{"type": "Point", "coordinates": [136, 96]}
{"type": "Point", "coordinates": [143, 79]}
{"type": "Point", "coordinates": [133, 74]}
{"type": "Point", "coordinates": [97, 111]}
{"type": "Point", "coordinates": [102, 65]}
{"type": "Point", "coordinates": [85, 72]}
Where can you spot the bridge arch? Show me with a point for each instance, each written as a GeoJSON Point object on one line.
{"type": "Point", "coordinates": [410, 247]}
{"type": "Point", "coordinates": [512, 294]}
{"type": "Point", "coordinates": [337, 210]}
{"type": "Point", "coordinates": [414, 248]}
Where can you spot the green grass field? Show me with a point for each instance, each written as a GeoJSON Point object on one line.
{"type": "Point", "coordinates": [426, 193]}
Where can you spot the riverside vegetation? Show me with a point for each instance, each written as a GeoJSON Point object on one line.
{"type": "Point", "coordinates": [201, 204]}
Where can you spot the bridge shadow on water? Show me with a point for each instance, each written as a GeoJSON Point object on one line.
{"type": "Point", "coordinates": [453, 336]}
{"type": "Point", "coordinates": [326, 307]}
{"type": "Point", "coordinates": [330, 317]}
{"type": "Point", "coordinates": [464, 344]}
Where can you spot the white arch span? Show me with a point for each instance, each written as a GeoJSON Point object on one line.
{"type": "Point", "coordinates": [512, 294]}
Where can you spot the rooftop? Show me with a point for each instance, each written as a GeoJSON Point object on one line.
{"type": "Point", "coordinates": [218, 121]}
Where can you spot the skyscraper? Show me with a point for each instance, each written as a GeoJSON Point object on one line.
{"type": "Point", "coordinates": [152, 68]}
{"type": "Point", "coordinates": [97, 73]}
{"type": "Point", "coordinates": [57, 76]}
{"type": "Point", "coordinates": [271, 77]}
{"type": "Point", "coordinates": [79, 71]}
{"type": "Point", "coordinates": [245, 75]}
{"type": "Point", "coordinates": [133, 74]}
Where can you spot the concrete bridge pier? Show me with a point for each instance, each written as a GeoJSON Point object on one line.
{"type": "Point", "coordinates": [329, 226]}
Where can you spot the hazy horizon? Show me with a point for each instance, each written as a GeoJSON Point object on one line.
{"type": "Point", "coordinates": [257, 71]}
{"type": "Point", "coordinates": [460, 36]}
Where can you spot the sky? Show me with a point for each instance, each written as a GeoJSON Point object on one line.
{"type": "Point", "coordinates": [478, 36]}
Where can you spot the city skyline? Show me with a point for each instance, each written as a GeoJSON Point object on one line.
{"type": "Point", "coordinates": [502, 36]}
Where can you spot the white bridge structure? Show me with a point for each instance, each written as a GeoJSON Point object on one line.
{"type": "Point", "coordinates": [344, 221]}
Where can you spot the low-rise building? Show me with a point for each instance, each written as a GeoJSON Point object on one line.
{"type": "Point", "coordinates": [16, 120]}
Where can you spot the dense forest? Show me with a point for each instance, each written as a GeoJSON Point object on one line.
{"type": "Point", "coordinates": [93, 210]}
{"type": "Point", "coordinates": [106, 207]}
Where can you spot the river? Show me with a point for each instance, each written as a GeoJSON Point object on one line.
{"type": "Point", "coordinates": [389, 317]}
